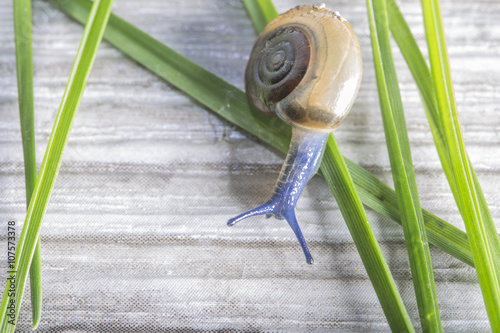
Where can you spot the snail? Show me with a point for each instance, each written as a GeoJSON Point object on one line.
{"type": "Point", "coordinates": [305, 68]}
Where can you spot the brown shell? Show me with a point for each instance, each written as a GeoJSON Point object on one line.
{"type": "Point", "coordinates": [306, 68]}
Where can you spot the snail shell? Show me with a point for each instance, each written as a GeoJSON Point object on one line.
{"type": "Point", "coordinates": [305, 68]}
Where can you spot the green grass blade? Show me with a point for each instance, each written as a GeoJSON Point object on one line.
{"type": "Point", "coordinates": [334, 169]}
{"type": "Point", "coordinates": [24, 68]}
{"type": "Point", "coordinates": [261, 12]}
{"type": "Point", "coordinates": [382, 199]}
{"type": "Point", "coordinates": [36, 285]}
{"type": "Point", "coordinates": [231, 103]}
{"type": "Point", "coordinates": [398, 146]}
{"type": "Point", "coordinates": [484, 243]}
{"type": "Point", "coordinates": [422, 75]}
{"type": "Point", "coordinates": [91, 39]}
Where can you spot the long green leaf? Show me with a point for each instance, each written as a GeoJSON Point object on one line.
{"type": "Point", "coordinates": [398, 146]}
{"type": "Point", "coordinates": [261, 12]}
{"type": "Point", "coordinates": [334, 169]}
{"type": "Point", "coordinates": [422, 76]}
{"type": "Point", "coordinates": [91, 39]}
{"type": "Point", "coordinates": [231, 103]}
{"type": "Point", "coordinates": [24, 68]}
{"type": "Point", "coordinates": [382, 199]}
{"type": "Point", "coordinates": [482, 237]}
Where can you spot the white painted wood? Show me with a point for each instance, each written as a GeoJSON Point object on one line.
{"type": "Point", "coordinates": [134, 238]}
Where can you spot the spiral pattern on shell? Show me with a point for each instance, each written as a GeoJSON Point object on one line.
{"type": "Point", "coordinates": [281, 63]}
{"type": "Point", "coordinates": [305, 68]}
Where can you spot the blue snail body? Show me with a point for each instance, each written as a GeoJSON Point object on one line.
{"type": "Point", "coordinates": [306, 69]}
{"type": "Point", "coordinates": [301, 163]}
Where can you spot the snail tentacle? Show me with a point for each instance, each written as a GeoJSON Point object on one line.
{"type": "Point", "coordinates": [301, 163]}
{"type": "Point", "coordinates": [267, 209]}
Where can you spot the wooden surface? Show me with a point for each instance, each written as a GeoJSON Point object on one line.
{"type": "Point", "coordinates": [135, 235]}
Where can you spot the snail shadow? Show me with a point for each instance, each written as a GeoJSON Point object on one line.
{"type": "Point", "coordinates": [250, 183]}
{"type": "Point", "coordinates": [253, 165]}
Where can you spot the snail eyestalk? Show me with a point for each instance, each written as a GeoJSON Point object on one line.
{"type": "Point", "coordinates": [301, 163]}
{"type": "Point", "coordinates": [305, 68]}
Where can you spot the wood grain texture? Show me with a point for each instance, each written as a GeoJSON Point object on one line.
{"type": "Point", "coordinates": [135, 238]}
